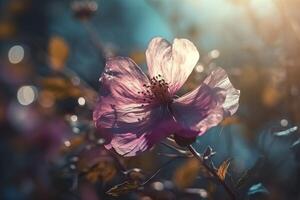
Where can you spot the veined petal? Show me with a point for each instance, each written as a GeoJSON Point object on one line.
{"type": "Point", "coordinates": [122, 79]}
{"type": "Point", "coordinates": [129, 144]}
{"type": "Point", "coordinates": [219, 79]}
{"type": "Point", "coordinates": [174, 62]}
{"type": "Point", "coordinates": [206, 106]}
{"type": "Point", "coordinates": [123, 126]}
{"type": "Point", "coordinates": [116, 116]}
{"type": "Point", "coordinates": [132, 139]}
{"type": "Point", "coordinates": [128, 123]}
{"type": "Point", "coordinates": [119, 100]}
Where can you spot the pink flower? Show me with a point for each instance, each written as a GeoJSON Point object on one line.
{"type": "Point", "coordinates": [135, 111]}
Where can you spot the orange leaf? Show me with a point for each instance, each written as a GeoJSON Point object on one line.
{"type": "Point", "coordinates": [223, 169]}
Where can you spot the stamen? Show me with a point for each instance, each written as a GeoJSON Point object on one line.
{"type": "Point", "coordinates": [157, 91]}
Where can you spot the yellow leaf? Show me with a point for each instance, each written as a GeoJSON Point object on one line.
{"type": "Point", "coordinates": [223, 169]}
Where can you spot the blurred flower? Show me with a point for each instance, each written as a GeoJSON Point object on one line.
{"type": "Point", "coordinates": [136, 111]}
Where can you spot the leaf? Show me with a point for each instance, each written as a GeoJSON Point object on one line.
{"type": "Point", "coordinates": [135, 174]}
{"type": "Point", "coordinates": [123, 188]}
{"type": "Point", "coordinates": [257, 189]}
{"type": "Point", "coordinates": [223, 169]}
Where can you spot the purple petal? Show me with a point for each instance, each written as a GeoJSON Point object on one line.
{"type": "Point", "coordinates": [122, 79]}
{"type": "Point", "coordinates": [121, 108]}
{"type": "Point", "coordinates": [206, 106]}
{"type": "Point", "coordinates": [130, 135]}
{"type": "Point", "coordinates": [119, 100]}
{"type": "Point", "coordinates": [128, 144]}
{"type": "Point", "coordinates": [130, 128]}
{"type": "Point", "coordinates": [219, 79]}
{"type": "Point", "coordinates": [174, 62]}
{"type": "Point", "coordinates": [132, 143]}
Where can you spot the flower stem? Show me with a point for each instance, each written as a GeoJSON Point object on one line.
{"type": "Point", "coordinates": [213, 172]}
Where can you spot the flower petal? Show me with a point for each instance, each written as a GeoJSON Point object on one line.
{"type": "Point", "coordinates": [142, 136]}
{"type": "Point", "coordinates": [174, 62]}
{"type": "Point", "coordinates": [219, 79]}
{"type": "Point", "coordinates": [130, 128]}
{"type": "Point", "coordinates": [120, 107]}
{"type": "Point", "coordinates": [122, 79]}
{"type": "Point", "coordinates": [120, 83]}
{"type": "Point", "coordinates": [206, 106]}
{"type": "Point", "coordinates": [128, 144]}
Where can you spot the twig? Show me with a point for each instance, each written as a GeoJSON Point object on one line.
{"type": "Point", "coordinates": [158, 170]}
{"type": "Point", "coordinates": [213, 172]}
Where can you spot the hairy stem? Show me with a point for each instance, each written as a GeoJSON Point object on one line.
{"type": "Point", "coordinates": [213, 172]}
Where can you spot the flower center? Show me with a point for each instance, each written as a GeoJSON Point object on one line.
{"type": "Point", "coordinates": [157, 91]}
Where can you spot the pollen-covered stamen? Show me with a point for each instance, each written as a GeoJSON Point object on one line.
{"type": "Point", "coordinates": [157, 90]}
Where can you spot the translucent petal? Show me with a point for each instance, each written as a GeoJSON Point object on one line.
{"type": "Point", "coordinates": [206, 106]}
{"type": "Point", "coordinates": [174, 62]}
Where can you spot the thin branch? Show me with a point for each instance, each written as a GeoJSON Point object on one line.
{"type": "Point", "coordinates": [213, 172]}
{"type": "Point", "coordinates": [172, 155]}
{"type": "Point", "coordinates": [157, 171]}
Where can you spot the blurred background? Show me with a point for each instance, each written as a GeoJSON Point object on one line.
{"type": "Point", "coordinates": [52, 54]}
